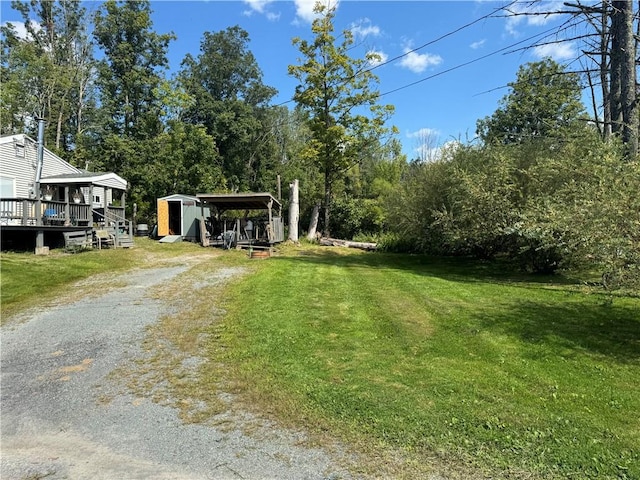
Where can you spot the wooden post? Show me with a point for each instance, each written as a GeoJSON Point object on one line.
{"type": "Point", "coordinates": [279, 189]}
{"type": "Point", "coordinates": [294, 211]}
{"type": "Point", "coordinates": [67, 216]}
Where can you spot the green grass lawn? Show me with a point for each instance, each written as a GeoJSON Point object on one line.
{"type": "Point", "coordinates": [421, 363]}
{"type": "Point", "coordinates": [441, 358]}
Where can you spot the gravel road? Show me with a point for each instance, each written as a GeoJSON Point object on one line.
{"type": "Point", "coordinates": [55, 423]}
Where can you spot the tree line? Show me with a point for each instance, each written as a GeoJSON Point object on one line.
{"type": "Point", "coordinates": [545, 184]}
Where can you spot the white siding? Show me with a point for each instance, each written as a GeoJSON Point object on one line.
{"type": "Point", "coordinates": [20, 163]}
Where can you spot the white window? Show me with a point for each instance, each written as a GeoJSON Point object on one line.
{"type": "Point", "coordinates": [96, 198]}
{"type": "Point", "coordinates": [7, 187]}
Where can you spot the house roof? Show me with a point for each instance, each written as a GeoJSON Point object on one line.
{"type": "Point", "coordinates": [13, 138]}
{"type": "Point", "coordinates": [108, 179]}
{"type": "Point", "coordinates": [239, 201]}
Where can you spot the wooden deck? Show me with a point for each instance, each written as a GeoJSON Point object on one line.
{"type": "Point", "coordinates": [22, 220]}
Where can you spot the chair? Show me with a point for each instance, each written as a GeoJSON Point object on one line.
{"type": "Point", "coordinates": [103, 237]}
{"type": "Point", "coordinates": [50, 215]}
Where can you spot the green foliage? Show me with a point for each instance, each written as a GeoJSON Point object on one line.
{"type": "Point", "coordinates": [544, 102]}
{"type": "Point", "coordinates": [353, 216]}
{"type": "Point", "coordinates": [545, 205]}
{"type": "Point", "coordinates": [128, 75]}
{"type": "Point", "coordinates": [592, 216]}
{"type": "Point", "coordinates": [345, 120]}
{"type": "Point", "coordinates": [48, 73]}
{"type": "Point", "coordinates": [447, 359]}
{"type": "Point", "coordinates": [543, 190]}
{"type": "Point", "coordinates": [230, 100]}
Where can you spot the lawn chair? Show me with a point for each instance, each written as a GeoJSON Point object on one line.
{"type": "Point", "coordinates": [103, 237]}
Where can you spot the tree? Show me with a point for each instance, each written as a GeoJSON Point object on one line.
{"type": "Point", "coordinates": [613, 47]}
{"type": "Point", "coordinates": [48, 73]}
{"type": "Point", "coordinates": [544, 102]}
{"type": "Point", "coordinates": [129, 73]}
{"type": "Point", "coordinates": [231, 101]}
{"type": "Point", "coordinates": [338, 93]}
{"type": "Point", "coordinates": [623, 75]}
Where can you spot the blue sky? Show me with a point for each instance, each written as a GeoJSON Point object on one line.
{"type": "Point", "coordinates": [446, 105]}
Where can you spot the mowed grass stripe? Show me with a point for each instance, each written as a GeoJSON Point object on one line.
{"type": "Point", "coordinates": [410, 352]}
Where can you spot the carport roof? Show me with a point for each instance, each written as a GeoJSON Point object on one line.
{"type": "Point", "coordinates": [239, 201]}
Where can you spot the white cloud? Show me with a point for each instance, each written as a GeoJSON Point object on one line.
{"type": "Point", "coordinates": [21, 30]}
{"type": "Point", "coordinates": [478, 44]}
{"type": "Point", "coordinates": [423, 133]}
{"type": "Point", "coordinates": [419, 62]}
{"type": "Point", "coordinates": [376, 57]}
{"type": "Point", "coordinates": [260, 6]}
{"type": "Point", "coordinates": [273, 16]}
{"type": "Point", "coordinates": [557, 51]}
{"type": "Point", "coordinates": [426, 142]}
{"type": "Point", "coordinates": [538, 14]}
{"type": "Point", "coordinates": [363, 28]}
{"type": "Point", "coordinates": [304, 8]}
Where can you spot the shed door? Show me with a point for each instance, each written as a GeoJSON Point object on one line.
{"type": "Point", "coordinates": [163, 218]}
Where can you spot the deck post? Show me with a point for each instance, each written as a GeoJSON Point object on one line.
{"type": "Point", "coordinates": [67, 216]}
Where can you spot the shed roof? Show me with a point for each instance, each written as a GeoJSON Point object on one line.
{"type": "Point", "coordinates": [240, 201]}
{"type": "Point", "coordinates": [179, 196]}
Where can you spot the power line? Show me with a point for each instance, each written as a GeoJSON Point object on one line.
{"type": "Point", "coordinates": [464, 64]}
{"type": "Point", "coordinates": [442, 37]}
{"type": "Point", "coordinates": [431, 42]}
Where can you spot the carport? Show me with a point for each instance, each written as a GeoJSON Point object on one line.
{"type": "Point", "coordinates": [260, 211]}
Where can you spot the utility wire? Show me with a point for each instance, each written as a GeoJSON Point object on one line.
{"type": "Point", "coordinates": [464, 64]}
{"type": "Point", "coordinates": [441, 37]}
{"type": "Point", "coordinates": [431, 42]}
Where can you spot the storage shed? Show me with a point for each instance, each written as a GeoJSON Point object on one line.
{"type": "Point", "coordinates": [180, 215]}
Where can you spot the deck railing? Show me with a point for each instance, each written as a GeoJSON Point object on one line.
{"type": "Point", "coordinates": [23, 212]}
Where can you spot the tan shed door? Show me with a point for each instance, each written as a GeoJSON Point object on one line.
{"type": "Point", "coordinates": [163, 218]}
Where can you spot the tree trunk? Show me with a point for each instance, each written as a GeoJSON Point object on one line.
{"type": "Point", "coordinates": [617, 54]}
{"type": "Point", "coordinates": [327, 204]}
{"type": "Point", "coordinates": [604, 73]}
{"type": "Point", "coordinates": [313, 224]}
{"type": "Point", "coordinates": [294, 211]}
{"type": "Point", "coordinates": [624, 107]}
{"type": "Point", "coordinates": [627, 59]}
{"type": "Point", "coordinates": [336, 242]}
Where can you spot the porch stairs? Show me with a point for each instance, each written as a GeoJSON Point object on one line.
{"type": "Point", "coordinates": [124, 241]}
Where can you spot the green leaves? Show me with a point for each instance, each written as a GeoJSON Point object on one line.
{"type": "Point", "coordinates": [129, 72]}
{"type": "Point", "coordinates": [339, 95]}
{"type": "Point", "coordinates": [230, 100]}
{"type": "Point", "coordinates": [544, 102]}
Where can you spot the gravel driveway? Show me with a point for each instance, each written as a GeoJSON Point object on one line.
{"type": "Point", "coordinates": [55, 423]}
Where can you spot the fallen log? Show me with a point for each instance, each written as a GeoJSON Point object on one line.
{"type": "Point", "coordinates": [336, 242]}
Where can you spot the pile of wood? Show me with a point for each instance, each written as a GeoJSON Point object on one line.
{"type": "Point", "coordinates": [335, 242]}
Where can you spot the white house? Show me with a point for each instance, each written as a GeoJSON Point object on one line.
{"type": "Point", "coordinates": [69, 199]}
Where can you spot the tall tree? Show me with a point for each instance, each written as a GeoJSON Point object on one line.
{"type": "Point", "coordinates": [231, 101]}
{"type": "Point", "coordinates": [339, 94]}
{"type": "Point", "coordinates": [624, 75]}
{"type": "Point", "coordinates": [132, 68]}
{"type": "Point", "coordinates": [544, 102]}
{"type": "Point", "coordinates": [48, 73]}
{"type": "Point", "coordinates": [613, 47]}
